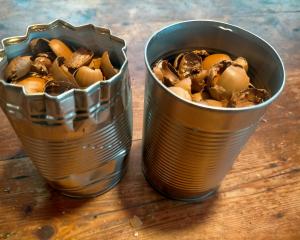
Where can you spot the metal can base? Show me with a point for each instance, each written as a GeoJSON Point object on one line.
{"type": "Point", "coordinates": [199, 197]}
{"type": "Point", "coordinates": [93, 189]}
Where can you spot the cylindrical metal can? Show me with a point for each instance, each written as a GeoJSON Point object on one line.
{"type": "Point", "coordinates": [188, 148]}
{"type": "Point", "coordinates": [80, 139]}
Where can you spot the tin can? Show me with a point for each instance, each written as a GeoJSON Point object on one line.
{"type": "Point", "coordinates": [189, 148]}
{"type": "Point", "coordinates": [80, 139]}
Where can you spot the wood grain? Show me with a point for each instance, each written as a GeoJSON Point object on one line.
{"type": "Point", "coordinates": [254, 200]}
{"type": "Point", "coordinates": [258, 199]}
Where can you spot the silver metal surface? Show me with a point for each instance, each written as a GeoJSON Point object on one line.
{"type": "Point", "coordinates": [78, 140]}
{"type": "Point", "coordinates": [189, 148]}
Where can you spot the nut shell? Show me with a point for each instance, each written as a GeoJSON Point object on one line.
{"type": "Point", "coordinates": [157, 69]}
{"type": "Point", "coordinates": [41, 65]}
{"type": "Point", "coordinates": [86, 76]}
{"type": "Point", "coordinates": [79, 58]}
{"type": "Point", "coordinates": [186, 84]}
{"type": "Point", "coordinates": [60, 49]}
{"type": "Point", "coordinates": [95, 63]}
{"type": "Point", "coordinates": [213, 59]}
{"type": "Point", "coordinates": [106, 66]}
{"type": "Point", "coordinates": [60, 72]}
{"type": "Point", "coordinates": [39, 45]}
{"type": "Point", "coordinates": [234, 79]}
{"type": "Point", "coordinates": [180, 92]}
{"type": "Point", "coordinates": [242, 62]}
{"type": "Point", "coordinates": [55, 87]}
{"type": "Point", "coordinates": [248, 97]}
{"type": "Point", "coordinates": [17, 68]}
{"type": "Point", "coordinates": [170, 76]}
{"type": "Point", "coordinates": [199, 96]}
{"type": "Point", "coordinates": [190, 64]}
{"type": "Point", "coordinates": [198, 81]}
{"type": "Point", "coordinates": [33, 84]}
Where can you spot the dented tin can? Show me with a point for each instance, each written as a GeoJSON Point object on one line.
{"type": "Point", "coordinates": [79, 140]}
{"type": "Point", "coordinates": [189, 148]}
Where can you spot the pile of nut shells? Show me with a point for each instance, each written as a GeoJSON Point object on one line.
{"type": "Point", "coordinates": [210, 79]}
{"type": "Point", "coordinates": [54, 68]}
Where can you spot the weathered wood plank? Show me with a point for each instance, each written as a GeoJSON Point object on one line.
{"type": "Point", "coordinates": [258, 195]}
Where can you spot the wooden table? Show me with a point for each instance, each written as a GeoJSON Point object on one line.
{"type": "Point", "coordinates": [259, 198]}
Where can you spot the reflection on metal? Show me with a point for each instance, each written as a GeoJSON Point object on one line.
{"type": "Point", "coordinates": [189, 148]}
{"type": "Point", "coordinates": [78, 140]}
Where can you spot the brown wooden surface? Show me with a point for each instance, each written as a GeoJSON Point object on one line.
{"type": "Point", "coordinates": [259, 198]}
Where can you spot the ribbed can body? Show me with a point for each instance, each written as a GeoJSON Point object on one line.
{"type": "Point", "coordinates": [83, 161]}
{"type": "Point", "coordinates": [180, 158]}
{"type": "Point", "coordinates": [189, 148]}
{"type": "Point", "coordinates": [79, 140]}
